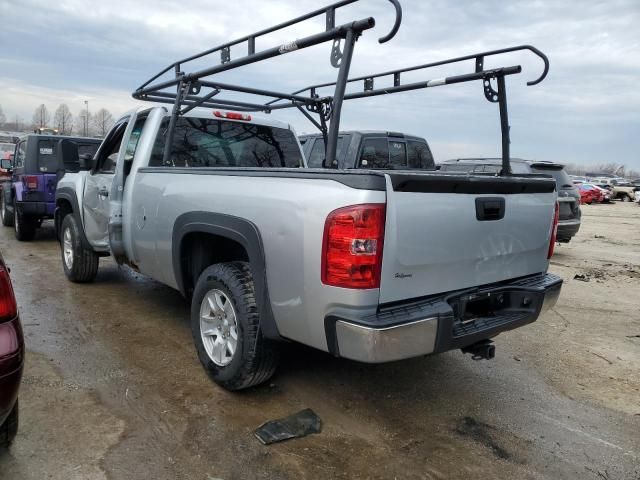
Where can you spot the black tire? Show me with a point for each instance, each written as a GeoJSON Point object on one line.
{"type": "Point", "coordinates": [255, 358]}
{"type": "Point", "coordinates": [23, 226]}
{"type": "Point", "coordinates": [9, 429]}
{"type": "Point", "coordinates": [84, 262]}
{"type": "Point", "coordinates": [625, 198]}
{"type": "Point", "coordinates": [5, 213]}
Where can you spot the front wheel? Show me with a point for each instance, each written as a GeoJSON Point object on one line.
{"type": "Point", "coordinates": [625, 198]}
{"type": "Point", "coordinates": [225, 325]}
{"type": "Point", "coordinates": [7, 216]}
{"type": "Point", "coordinates": [80, 264]}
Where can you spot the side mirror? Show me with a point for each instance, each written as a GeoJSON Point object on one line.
{"type": "Point", "coordinates": [94, 165]}
{"type": "Point", "coordinates": [85, 161]}
{"type": "Point", "coordinates": [6, 164]}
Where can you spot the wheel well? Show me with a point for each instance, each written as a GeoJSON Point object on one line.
{"type": "Point", "coordinates": [63, 208]}
{"type": "Point", "coordinates": [199, 250]}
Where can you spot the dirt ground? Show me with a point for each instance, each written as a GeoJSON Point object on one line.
{"type": "Point", "coordinates": [113, 388]}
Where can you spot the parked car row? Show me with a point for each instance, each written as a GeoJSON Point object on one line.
{"type": "Point", "coordinates": [618, 188]}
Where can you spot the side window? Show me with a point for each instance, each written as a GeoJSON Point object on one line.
{"type": "Point", "coordinates": [21, 151]}
{"type": "Point", "coordinates": [419, 155]}
{"type": "Point", "coordinates": [108, 154]}
{"type": "Point", "coordinates": [134, 139]}
{"type": "Point", "coordinates": [397, 154]}
{"type": "Point", "coordinates": [375, 153]}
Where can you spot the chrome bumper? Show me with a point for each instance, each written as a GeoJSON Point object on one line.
{"type": "Point", "coordinates": [378, 345]}
{"type": "Point", "coordinates": [430, 326]}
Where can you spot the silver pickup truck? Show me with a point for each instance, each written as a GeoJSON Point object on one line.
{"type": "Point", "coordinates": [369, 265]}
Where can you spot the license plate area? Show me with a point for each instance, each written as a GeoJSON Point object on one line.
{"type": "Point", "coordinates": [469, 307]}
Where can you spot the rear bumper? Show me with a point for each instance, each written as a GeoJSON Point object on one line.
{"type": "Point", "coordinates": [11, 365]}
{"type": "Point", "coordinates": [37, 209]}
{"type": "Point", "coordinates": [567, 229]}
{"type": "Point", "coordinates": [436, 324]}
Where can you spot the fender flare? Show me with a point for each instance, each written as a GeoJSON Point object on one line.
{"type": "Point", "coordinates": [241, 231]}
{"type": "Point", "coordinates": [68, 194]}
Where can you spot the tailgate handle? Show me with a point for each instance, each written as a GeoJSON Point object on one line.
{"type": "Point", "coordinates": [489, 208]}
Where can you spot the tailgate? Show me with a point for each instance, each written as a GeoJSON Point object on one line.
{"type": "Point", "coordinates": [446, 233]}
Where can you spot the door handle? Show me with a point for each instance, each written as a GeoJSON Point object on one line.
{"type": "Point", "coordinates": [103, 192]}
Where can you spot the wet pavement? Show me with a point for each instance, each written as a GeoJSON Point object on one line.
{"type": "Point", "coordinates": [113, 388]}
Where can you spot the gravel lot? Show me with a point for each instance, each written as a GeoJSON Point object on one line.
{"type": "Point", "coordinates": [113, 388]}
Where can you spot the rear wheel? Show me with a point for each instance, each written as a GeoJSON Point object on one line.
{"type": "Point", "coordinates": [80, 264]}
{"type": "Point", "coordinates": [24, 226]}
{"type": "Point", "coordinates": [225, 325]}
{"type": "Point", "coordinates": [7, 217]}
{"type": "Point", "coordinates": [625, 198]}
{"type": "Point", "coordinates": [9, 429]}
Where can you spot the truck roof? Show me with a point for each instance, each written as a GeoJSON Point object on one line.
{"type": "Point", "coordinates": [208, 113]}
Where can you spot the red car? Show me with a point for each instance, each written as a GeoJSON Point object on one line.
{"type": "Point", "coordinates": [11, 358]}
{"type": "Point", "coordinates": [590, 194]}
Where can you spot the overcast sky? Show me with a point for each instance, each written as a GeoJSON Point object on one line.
{"type": "Point", "coordinates": [586, 111]}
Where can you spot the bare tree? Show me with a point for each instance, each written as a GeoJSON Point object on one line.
{"type": "Point", "coordinates": [102, 120]}
{"type": "Point", "coordinates": [41, 117]}
{"type": "Point", "coordinates": [63, 120]}
{"type": "Point", "coordinates": [3, 119]}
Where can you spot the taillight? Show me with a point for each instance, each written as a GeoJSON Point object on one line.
{"type": "Point", "coordinates": [31, 182]}
{"type": "Point", "coordinates": [8, 308]}
{"type": "Point", "coordinates": [554, 231]}
{"type": "Point", "coordinates": [232, 115]}
{"type": "Point", "coordinates": [352, 246]}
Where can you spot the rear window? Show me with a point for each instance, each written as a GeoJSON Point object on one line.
{"type": "Point", "coordinates": [419, 155]}
{"type": "Point", "coordinates": [47, 162]}
{"type": "Point", "coordinates": [316, 157]}
{"type": "Point", "coordinates": [200, 142]}
{"type": "Point", "coordinates": [384, 153]}
{"type": "Point", "coordinates": [562, 178]}
{"type": "Point", "coordinates": [46, 156]}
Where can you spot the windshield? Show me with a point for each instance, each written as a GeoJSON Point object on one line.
{"type": "Point", "coordinates": [200, 142]}
{"type": "Point", "coordinates": [562, 178]}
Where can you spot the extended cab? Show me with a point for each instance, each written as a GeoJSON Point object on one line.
{"type": "Point", "coordinates": [369, 265]}
{"type": "Point", "coordinates": [371, 150]}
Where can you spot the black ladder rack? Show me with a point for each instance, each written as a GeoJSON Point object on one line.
{"type": "Point", "coordinates": [186, 91]}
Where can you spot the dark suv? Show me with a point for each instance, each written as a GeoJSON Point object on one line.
{"type": "Point", "coordinates": [30, 196]}
{"type": "Point", "coordinates": [568, 194]}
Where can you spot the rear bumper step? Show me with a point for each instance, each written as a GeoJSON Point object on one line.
{"type": "Point", "coordinates": [446, 322]}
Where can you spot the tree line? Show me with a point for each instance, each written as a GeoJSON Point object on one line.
{"type": "Point", "coordinates": [84, 123]}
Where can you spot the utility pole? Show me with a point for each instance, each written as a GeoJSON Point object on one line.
{"type": "Point", "coordinates": [86, 120]}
